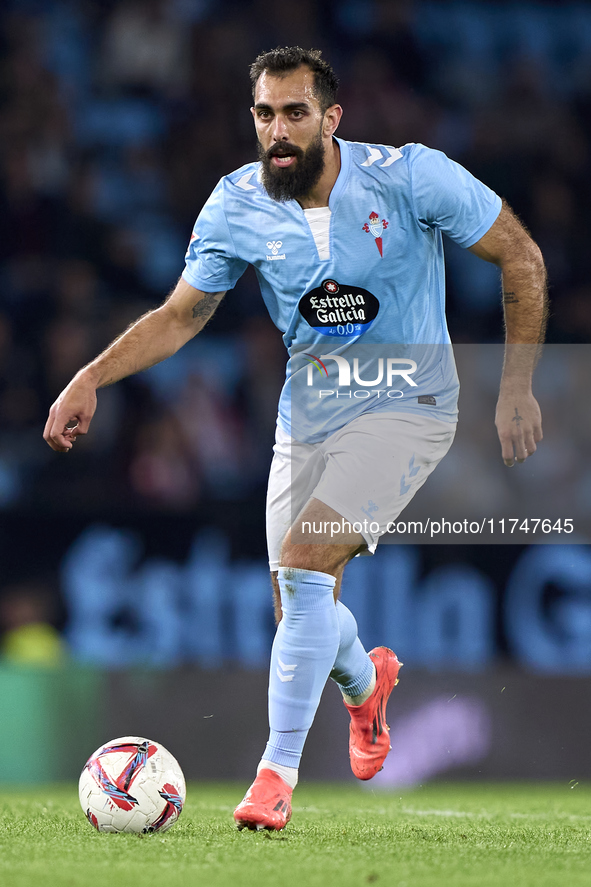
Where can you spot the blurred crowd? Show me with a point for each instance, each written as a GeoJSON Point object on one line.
{"type": "Point", "coordinates": [117, 117]}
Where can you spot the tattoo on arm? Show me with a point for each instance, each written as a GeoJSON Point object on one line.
{"type": "Point", "coordinates": [203, 309]}
{"type": "Point", "coordinates": [509, 298]}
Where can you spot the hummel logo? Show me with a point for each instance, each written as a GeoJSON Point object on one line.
{"type": "Point", "coordinates": [285, 677]}
{"type": "Point", "coordinates": [412, 470]}
{"type": "Point", "coordinates": [244, 181]}
{"type": "Point", "coordinates": [376, 154]}
{"type": "Point", "coordinates": [275, 246]}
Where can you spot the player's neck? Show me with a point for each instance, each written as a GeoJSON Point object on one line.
{"type": "Point", "coordinates": [320, 193]}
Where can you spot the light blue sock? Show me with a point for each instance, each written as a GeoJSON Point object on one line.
{"type": "Point", "coordinates": [303, 654]}
{"type": "Point", "coordinates": [353, 669]}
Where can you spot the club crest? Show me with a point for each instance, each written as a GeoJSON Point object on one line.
{"type": "Point", "coordinates": [376, 226]}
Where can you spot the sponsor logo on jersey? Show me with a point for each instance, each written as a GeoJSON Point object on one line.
{"type": "Point", "coordinates": [275, 246]}
{"type": "Point", "coordinates": [376, 226]}
{"type": "Point", "coordinates": [338, 309]}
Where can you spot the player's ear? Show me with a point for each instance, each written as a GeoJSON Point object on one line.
{"type": "Point", "coordinates": [332, 118]}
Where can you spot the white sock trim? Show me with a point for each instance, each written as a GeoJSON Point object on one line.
{"type": "Point", "coordinates": [288, 774]}
{"type": "Point", "coordinates": [363, 697]}
{"type": "Point", "coordinates": [296, 573]}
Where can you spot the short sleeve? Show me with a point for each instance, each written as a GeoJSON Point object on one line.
{"type": "Point", "coordinates": [211, 261]}
{"type": "Point", "coordinates": [448, 197]}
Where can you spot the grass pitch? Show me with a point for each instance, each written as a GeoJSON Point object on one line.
{"type": "Point", "coordinates": [348, 836]}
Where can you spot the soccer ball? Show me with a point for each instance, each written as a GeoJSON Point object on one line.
{"type": "Point", "coordinates": [132, 785]}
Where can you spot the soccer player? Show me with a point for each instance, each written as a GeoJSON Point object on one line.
{"type": "Point", "coordinates": [346, 242]}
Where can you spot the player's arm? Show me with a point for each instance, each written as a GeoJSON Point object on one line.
{"type": "Point", "coordinates": [151, 339]}
{"type": "Point", "coordinates": [508, 245]}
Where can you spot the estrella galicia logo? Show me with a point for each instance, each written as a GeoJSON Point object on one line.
{"type": "Point", "coordinates": [338, 309]}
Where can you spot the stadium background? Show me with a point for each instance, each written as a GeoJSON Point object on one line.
{"type": "Point", "coordinates": [134, 596]}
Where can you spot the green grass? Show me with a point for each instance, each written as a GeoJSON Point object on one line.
{"type": "Point", "coordinates": [440, 835]}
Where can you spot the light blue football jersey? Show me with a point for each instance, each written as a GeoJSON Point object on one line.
{"type": "Point", "coordinates": [360, 295]}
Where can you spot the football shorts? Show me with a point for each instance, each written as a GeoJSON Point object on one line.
{"type": "Point", "coordinates": [367, 471]}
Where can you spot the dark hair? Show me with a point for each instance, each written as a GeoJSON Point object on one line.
{"type": "Point", "coordinates": [285, 59]}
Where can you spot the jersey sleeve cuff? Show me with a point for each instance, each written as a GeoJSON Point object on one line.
{"type": "Point", "coordinates": [488, 222]}
{"type": "Point", "coordinates": [207, 285]}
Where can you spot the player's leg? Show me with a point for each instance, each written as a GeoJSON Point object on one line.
{"type": "Point", "coordinates": [353, 670]}
{"type": "Point", "coordinates": [295, 470]}
{"type": "Point", "coordinates": [304, 650]}
{"type": "Point", "coordinates": [355, 673]}
{"type": "Point", "coordinates": [366, 680]}
{"type": "Point", "coordinates": [315, 638]}
{"type": "Point", "coordinates": [374, 467]}
{"type": "Point", "coordinates": [363, 461]}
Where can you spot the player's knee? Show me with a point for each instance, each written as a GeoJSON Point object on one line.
{"type": "Point", "coordinates": [276, 598]}
{"type": "Point", "coordinates": [319, 558]}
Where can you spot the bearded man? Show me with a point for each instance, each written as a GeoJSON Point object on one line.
{"type": "Point", "coordinates": [346, 241]}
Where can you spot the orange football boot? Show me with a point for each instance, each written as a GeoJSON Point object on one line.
{"type": "Point", "coordinates": [266, 804]}
{"type": "Point", "coordinates": [369, 740]}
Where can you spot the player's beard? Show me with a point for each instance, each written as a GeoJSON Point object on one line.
{"type": "Point", "coordinates": [297, 180]}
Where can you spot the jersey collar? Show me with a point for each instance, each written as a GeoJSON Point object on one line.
{"type": "Point", "coordinates": [341, 182]}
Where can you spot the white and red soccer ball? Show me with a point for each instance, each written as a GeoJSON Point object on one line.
{"type": "Point", "coordinates": [132, 785]}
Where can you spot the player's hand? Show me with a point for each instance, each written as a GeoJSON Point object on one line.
{"type": "Point", "coordinates": [519, 425]}
{"type": "Point", "coordinates": [70, 415]}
